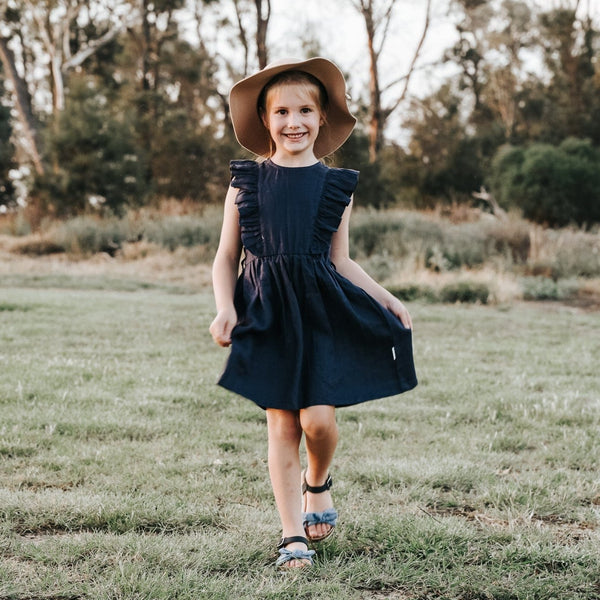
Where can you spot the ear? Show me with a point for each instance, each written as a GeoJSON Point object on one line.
{"type": "Point", "coordinates": [264, 120]}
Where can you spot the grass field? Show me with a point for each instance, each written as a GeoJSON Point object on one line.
{"type": "Point", "coordinates": [125, 473]}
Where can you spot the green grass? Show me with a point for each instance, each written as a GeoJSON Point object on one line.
{"type": "Point", "coordinates": [125, 473]}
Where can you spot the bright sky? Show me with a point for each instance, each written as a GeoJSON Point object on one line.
{"type": "Point", "coordinates": [338, 29]}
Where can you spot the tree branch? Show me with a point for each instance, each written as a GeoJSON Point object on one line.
{"type": "Point", "coordinates": [411, 69]}
{"type": "Point", "coordinates": [92, 47]}
{"type": "Point", "coordinates": [386, 20]}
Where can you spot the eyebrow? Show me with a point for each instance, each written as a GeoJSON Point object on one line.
{"type": "Point", "coordinates": [307, 105]}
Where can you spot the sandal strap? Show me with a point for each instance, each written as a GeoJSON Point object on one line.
{"type": "Point", "coordinates": [286, 556]}
{"type": "Point", "coordinates": [327, 517]}
{"type": "Point", "coordinates": [290, 540]}
{"type": "Point", "coordinates": [319, 488]}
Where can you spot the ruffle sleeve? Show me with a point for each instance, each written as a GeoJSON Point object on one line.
{"type": "Point", "coordinates": [244, 177]}
{"type": "Point", "coordinates": [338, 188]}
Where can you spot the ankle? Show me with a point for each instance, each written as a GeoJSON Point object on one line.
{"type": "Point", "coordinates": [317, 480]}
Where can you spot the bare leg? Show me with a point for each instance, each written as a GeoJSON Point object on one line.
{"type": "Point", "coordinates": [320, 429]}
{"type": "Point", "coordinates": [285, 434]}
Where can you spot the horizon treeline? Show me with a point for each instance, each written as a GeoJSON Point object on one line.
{"type": "Point", "coordinates": [105, 105]}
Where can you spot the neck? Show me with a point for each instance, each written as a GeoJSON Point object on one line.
{"type": "Point", "coordinates": [294, 160]}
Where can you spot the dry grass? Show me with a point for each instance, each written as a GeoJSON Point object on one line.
{"type": "Point", "coordinates": [429, 252]}
{"type": "Point", "coordinates": [140, 261]}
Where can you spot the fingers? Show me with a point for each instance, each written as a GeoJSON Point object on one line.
{"type": "Point", "coordinates": [221, 332]}
{"type": "Point", "coordinates": [402, 313]}
{"type": "Point", "coordinates": [406, 320]}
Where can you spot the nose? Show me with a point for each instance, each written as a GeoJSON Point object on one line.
{"type": "Point", "coordinates": [293, 121]}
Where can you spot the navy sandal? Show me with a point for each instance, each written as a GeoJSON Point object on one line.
{"type": "Point", "coordinates": [328, 517]}
{"type": "Point", "coordinates": [286, 555]}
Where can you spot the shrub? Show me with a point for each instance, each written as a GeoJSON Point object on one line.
{"type": "Point", "coordinates": [465, 291]}
{"type": "Point", "coordinates": [37, 246]}
{"type": "Point", "coordinates": [557, 185]}
{"type": "Point", "coordinates": [411, 292]}
{"type": "Point", "coordinates": [544, 288]}
{"type": "Point", "coordinates": [377, 234]}
{"type": "Point", "coordinates": [89, 235]}
{"type": "Point", "coordinates": [186, 231]}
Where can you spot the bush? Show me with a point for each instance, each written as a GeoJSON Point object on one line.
{"type": "Point", "coordinates": [556, 185]}
{"type": "Point", "coordinates": [89, 235]}
{"type": "Point", "coordinates": [465, 291]}
{"type": "Point", "coordinates": [186, 231]}
{"type": "Point", "coordinates": [411, 292]}
{"type": "Point", "coordinates": [544, 288]}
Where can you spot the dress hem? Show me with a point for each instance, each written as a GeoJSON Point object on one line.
{"type": "Point", "coordinates": [386, 392]}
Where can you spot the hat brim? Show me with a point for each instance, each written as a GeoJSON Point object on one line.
{"type": "Point", "coordinates": [249, 128]}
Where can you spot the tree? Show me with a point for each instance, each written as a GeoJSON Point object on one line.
{"type": "Point", "coordinates": [56, 25]}
{"type": "Point", "coordinates": [97, 162]}
{"type": "Point", "coordinates": [10, 18]}
{"type": "Point", "coordinates": [448, 158]}
{"type": "Point", "coordinates": [377, 18]}
{"type": "Point", "coordinates": [570, 52]}
{"type": "Point", "coordinates": [7, 161]}
{"type": "Point", "coordinates": [262, 15]}
{"type": "Point", "coordinates": [553, 185]}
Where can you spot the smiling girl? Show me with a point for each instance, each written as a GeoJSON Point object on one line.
{"type": "Point", "coordinates": [309, 330]}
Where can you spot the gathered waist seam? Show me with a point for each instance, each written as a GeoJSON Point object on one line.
{"type": "Point", "coordinates": [250, 257]}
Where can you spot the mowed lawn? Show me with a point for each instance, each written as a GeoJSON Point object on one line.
{"type": "Point", "coordinates": [126, 473]}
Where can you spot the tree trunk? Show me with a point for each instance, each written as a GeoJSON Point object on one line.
{"type": "Point", "coordinates": [23, 104]}
{"type": "Point", "coordinates": [379, 114]}
{"type": "Point", "coordinates": [376, 120]}
{"type": "Point", "coordinates": [262, 23]}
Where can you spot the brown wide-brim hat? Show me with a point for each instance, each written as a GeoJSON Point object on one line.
{"type": "Point", "coordinates": [248, 125]}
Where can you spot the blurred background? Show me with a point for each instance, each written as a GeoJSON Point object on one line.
{"type": "Point", "coordinates": [474, 111]}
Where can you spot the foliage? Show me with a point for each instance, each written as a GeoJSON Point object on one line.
{"type": "Point", "coordinates": [132, 82]}
{"type": "Point", "coordinates": [545, 288]}
{"type": "Point", "coordinates": [554, 185]}
{"type": "Point", "coordinates": [495, 100]}
{"type": "Point", "coordinates": [464, 291]}
{"type": "Point", "coordinates": [7, 160]}
{"type": "Point", "coordinates": [387, 243]}
{"type": "Point", "coordinates": [97, 165]}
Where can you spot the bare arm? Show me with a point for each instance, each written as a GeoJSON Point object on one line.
{"type": "Point", "coordinates": [340, 256]}
{"type": "Point", "coordinates": [225, 272]}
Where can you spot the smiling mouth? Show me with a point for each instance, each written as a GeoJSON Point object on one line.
{"type": "Point", "coordinates": [294, 136]}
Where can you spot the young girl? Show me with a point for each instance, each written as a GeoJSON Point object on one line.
{"type": "Point", "coordinates": [309, 330]}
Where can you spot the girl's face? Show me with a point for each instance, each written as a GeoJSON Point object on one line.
{"type": "Point", "coordinates": [293, 118]}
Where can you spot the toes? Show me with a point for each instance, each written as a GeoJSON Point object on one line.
{"type": "Point", "coordinates": [318, 530]}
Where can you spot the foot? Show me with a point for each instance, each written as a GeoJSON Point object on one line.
{"type": "Point", "coordinates": [294, 553]}
{"type": "Point", "coordinates": [317, 503]}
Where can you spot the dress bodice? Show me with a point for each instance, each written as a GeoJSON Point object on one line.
{"type": "Point", "coordinates": [290, 210]}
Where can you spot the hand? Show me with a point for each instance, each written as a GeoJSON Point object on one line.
{"type": "Point", "coordinates": [397, 308]}
{"type": "Point", "coordinates": [222, 326]}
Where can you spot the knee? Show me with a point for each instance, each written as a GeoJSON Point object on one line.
{"type": "Point", "coordinates": [284, 427]}
{"type": "Point", "coordinates": [319, 428]}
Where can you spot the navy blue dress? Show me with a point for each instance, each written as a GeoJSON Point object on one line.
{"type": "Point", "coordinates": [306, 335]}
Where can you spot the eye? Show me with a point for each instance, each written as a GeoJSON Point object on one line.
{"type": "Point", "coordinates": [307, 110]}
{"type": "Point", "coordinates": [281, 111]}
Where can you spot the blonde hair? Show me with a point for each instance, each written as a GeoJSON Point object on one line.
{"type": "Point", "coordinates": [306, 82]}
